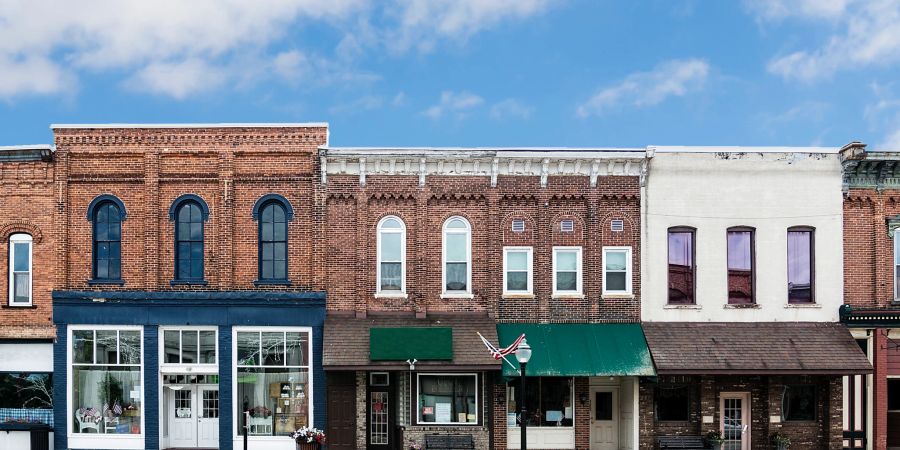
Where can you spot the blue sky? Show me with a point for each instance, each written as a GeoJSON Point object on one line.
{"type": "Point", "coordinates": [464, 72]}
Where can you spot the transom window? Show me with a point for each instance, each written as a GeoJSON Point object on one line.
{"type": "Point", "coordinates": [189, 241]}
{"type": "Point", "coordinates": [617, 270]}
{"type": "Point", "coordinates": [567, 270]}
{"type": "Point", "coordinates": [517, 274]}
{"type": "Point", "coordinates": [189, 346]}
{"type": "Point", "coordinates": [20, 266]}
{"type": "Point", "coordinates": [457, 256]}
{"type": "Point", "coordinates": [448, 399]}
{"type": "Point", "coordinates": [391, 270]}
{"type": "Point", "coordinates": [107, 224]}
{"type": "Point", "coordinates": [273, 242]}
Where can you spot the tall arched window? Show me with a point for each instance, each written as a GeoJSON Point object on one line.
{"type": "Point", "coordinates": [20, 270]}
{"type": "Point", "coordinates": [391, 270]}
{"type": "Point", "coordinates": [273, 242]}
{"type": "Point", "coordinates": [107, 224]}
{"type": "Point", "coordinates": [457, 255]}
{"type": "Point", "coordinates": [189, 217]}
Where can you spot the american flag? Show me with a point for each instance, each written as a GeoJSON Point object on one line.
{"type": "Point", "coordinates": [498, 353]}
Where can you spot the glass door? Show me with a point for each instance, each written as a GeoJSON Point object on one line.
{"type": "Point", "coordinates": [734, 411]}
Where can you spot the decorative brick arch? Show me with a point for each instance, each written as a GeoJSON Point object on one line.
{"type": "Point", "coordinates": [21, 226]}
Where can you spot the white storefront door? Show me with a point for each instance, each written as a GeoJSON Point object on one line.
{"type": "Point", "coordinates": [734, 410]}
{"type": "Point", "coordinates": [208, 417]}
{"type": "Point", "coordinates": [182, 417]}
{"type": "Point", "coordinates": [604, 418]}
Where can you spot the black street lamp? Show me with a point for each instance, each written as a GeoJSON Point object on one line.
{"type": "Point", "coordinates": [523, 354]}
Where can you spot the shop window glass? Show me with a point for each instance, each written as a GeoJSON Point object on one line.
{"type": "Point", "coordinates": [548, 402]}
{"type": "Point", "coordinates": [448, 399]}
{"type": "Point", "coordinates": [26, 398]}
{"type": "Point", "coordinates": [673, 403]}
{"type": "Point", "coordinates": [798, 403]}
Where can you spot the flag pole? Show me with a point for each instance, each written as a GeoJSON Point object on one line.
{"type": "Point", "coordinates": [502, 356]}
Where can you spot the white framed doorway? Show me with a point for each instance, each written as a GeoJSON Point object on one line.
{"type": "Point", "coordinates": [734, 420]}
{"type": "Point", "coordinates": [604, 418]}
{"type": "Point", "coordinates": [193, 416]}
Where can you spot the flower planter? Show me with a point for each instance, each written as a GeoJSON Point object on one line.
{"type": "Point", "coordinates": [306, 446]}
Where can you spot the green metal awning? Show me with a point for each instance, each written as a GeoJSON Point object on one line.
{"type": "Point", "coordinates": [400, 344]}
{"type": "Point", "coordinates": [580, 349]}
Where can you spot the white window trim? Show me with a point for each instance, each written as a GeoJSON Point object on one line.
{"type": "Point", "coordinates": [533, 427]}
{"type": "Point", "coordinates": [477, 399]}
{"type": "Point", "coordinates": [529, 267]}
{"type": "Point", "coordinates": [92, 440]}
{"type": "Point", "coordinates": [579, 268]}
{"type": "Point", "coordinates": [234, 369]}
{"type": "Point", "coordinates": [402, 232]}
{"type": "Point", "coordinates": [20, 238]}
{"type": "Point", "coordinates": [468, 232]}
{"type": "Point", "coordinates": [178, 368]}
{"type": "Point", "coordinates": [628, 270]}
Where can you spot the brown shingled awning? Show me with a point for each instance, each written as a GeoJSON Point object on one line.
{"type": "Point", "coordinates": [772, 348]}
{"type": "Point", "coordinates": [347, 342]}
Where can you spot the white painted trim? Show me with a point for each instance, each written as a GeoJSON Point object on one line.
{"type": "Point", "coordinates": [98, 126]}
{"type": "Point", "coordinates": [21, 238]}
{"type": "Point", "coordinates": [738, 149]}
{"type": "Point", "coordinates": [529, 268]}
{"type": "Point", "coordinates": [92, 440]}
{"type": "Point", "coordinates": [479, 421]}
{"type": "Point", "coordinates": [468, 233]}
{"type": "Point", "coordinates": [12, 148]}
{"type": "Point", "coordinates": [234, 368]}
{"type": "Point", "coordinates": [579, 268]}
{"type": "Point", "coordinates": [628, 270]}
{"type": "Point", "coordinates": [402, 231]}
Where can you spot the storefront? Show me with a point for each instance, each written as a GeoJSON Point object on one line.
{"type": "Point", "coordinates": [26, 387]}
{"type": "Point", "coordinates": [749, 381]}
{"type": "Point", "coordinates": [580, 388]}
{"type": "Point", "coordinates": [393, 381]}
{"type": "Point", "coordinates": [148, 370]}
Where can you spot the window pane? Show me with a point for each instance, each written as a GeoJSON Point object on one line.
{"type": "Point", "coordinates": [548, 401]}
{"type": "Point", "coordinates": [248, 349]}
{"type": "Point", "coordinates": [799, 402]}
{"type": "Point", "coordinates": [681, 270]}
{"type": "Point", "coordinates": [280, 252]}
{"type": "Point", "coordinates": [447, 399]}
{"type": "Point", "coordinates": [29, 394]}
{"type": "Point", "coordinates": [207, 347]}
{"type": "Point", "coordinates": [517, 260]}
{"type": "Point", "coordinates": [672, 403]}
{"type": "Point", "coordinates": [456, 246]}
{"type": "Point", "coordinates": [457, 276]}
{"type": "Point", "coordinates": [101, 397]}
{"type": "Point", "coordinates": [130, 347]}
{"type": "Point", "coordinates": [280, 270]}
{"type": "Point", "coordinates": [183, 231]}
{"type": "Point", "coordinates": [615, 260]}
{"type": "Point", "coordinates": [603, 407]}
{"type": "Point", "coordinates": [83, 346]}
{"type": "Point", "coordinates": [254, 386]}
{"type": "Point", "coordinates": [22, 287]}
{"type": "Point", "coordinates": [268, 213]}
{"type": "Point", "coordinates": [114, 270]}
{"type": "Point", "coordinates": [280, 231]}
{"type": "Point", "coordinates": [566, 281]}
{"type": "Point", "coordinates": [171, 346]}
{"type": "Point", "coordinates": [197, 231]}
{"type": "Point", "coordinates": [799, 265]}
{"type": "Point", "coordinates": [517, 281]}
{"type": "Point", "coordinates": [456, 224]}
{"type": "Point", "coordinates": [268, 269]}
{"type": "Point", "coordinates": [268, 231]}
{"type": "Point", "coordinates": [391, 224]}
{"type": "Point", "coordinates": [268, 253]}
{"type": "Point", "coordinates": [391, 279]}
{"type": "Point", "coordinates": [21, 257]}
{"type": "Point", "coordinates": [107, 342]}
{"type": "Point", "coordinates": [566, 261]}
{"type": "Point", "coordinates": [114, 231]}
{"type": "Point", "coordinates": [296, 349]}
{"type": "Point", "coordinates": [273, 349]}
{"type": "Point", "coordinates": [680, 248]}
{"type": "Point", "coordinates": [278, 213]}
{"type": "Point", "coordinates": [188, 347]}
{"type": "Point", "coordinates": [197, 269]}
{"type": "Point", "coordinates": [390, 246]}
{"type": "Point", "coordinates": [101, 231]}
{"type": "Point", "coordinates": [616, 281]}
{"type": "Point", "coordinates": [739, 250]}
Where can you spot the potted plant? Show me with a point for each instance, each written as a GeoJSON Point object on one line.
{"type": "Point", "coordinates": [715, 439]}
{"type": "Point", "coordinates": [308, 438]}
{"type": "Point", "coordinates": [415, 446]}
{"type": "Point", "coordinates": [781, 441]}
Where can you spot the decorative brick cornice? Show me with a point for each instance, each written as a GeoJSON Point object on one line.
{"type": "Point", "coordinates": [21, 226]}
{"type": "Point", "coordinates": [190, 136]}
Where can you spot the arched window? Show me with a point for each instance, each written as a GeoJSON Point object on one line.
{"type": "Point", "coordinates": [189, 241]}
{"type": "Point", "coordinates": [391, 255]}
{"type": "Point", "coordinates": [457, 252]}
{"type": "Point", "coordinates": [107, 246]}
{"type": "Point", "coordinates": [20, 270]}
{"type": "Point", "coordinates": [273, 241]}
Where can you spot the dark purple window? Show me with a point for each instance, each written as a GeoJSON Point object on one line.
{"type": "Point", "coordinates": [740, 266]}
{"type": "Point", "coordinates": [800, 265]}
{"type": "Point", "coordinates": [681, 266]}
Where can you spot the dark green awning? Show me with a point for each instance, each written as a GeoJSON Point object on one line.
{"type": "Point", "coordinates": [580, 349]}
{"type": "Point", "coordinates": [400, 344]}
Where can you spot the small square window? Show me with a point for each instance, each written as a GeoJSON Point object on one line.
{"type": "Point", "coordinates": [567, 226]}
{"type": "Point", "coordinates": [617, 225]}
{"type": "Point", "coordinates": [518, 225]}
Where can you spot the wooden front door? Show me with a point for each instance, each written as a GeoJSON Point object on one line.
{"type": "Point", "coordinates": [380, 411]}
{"type": "Point", "coordinates": [341, 410]}
{"type": "Point", "coordinates": [604, 418]}
{"type": "Point", "coordinates": [734, 414]}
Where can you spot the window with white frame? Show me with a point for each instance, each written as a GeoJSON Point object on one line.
{"type": "Point", "coordinates": [106, 380]}
{"type": "Point", "coordinates": [20, 270]}
{"type": "Point", "coordinates": [617, 270]}
{"type": "Point", "coordinates": [517, 263]}
{"type": "Point", "coordinates": [273, 380]}
{"type": "Point", "coordinates": [448, 398]}
{"type": "Point", "coordinates": [457, 251]}
{"type": "Point", "coordinates": [391, 255]}
{"type": "Point", "coordinates": [567, 270]}
{"type": "Point", "coordinates": [189, 346]}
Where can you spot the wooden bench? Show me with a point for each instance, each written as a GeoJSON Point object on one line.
{"type": "Point", "coordinates": [681, 442]}
{"type": "Point", "coordinates": [449, 442]}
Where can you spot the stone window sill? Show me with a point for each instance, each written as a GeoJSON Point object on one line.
{"type": "Point", "coordinates": [8, 306]}
{"type": "Point", "coordinates": [100, 282]}
{"type": "Point", "coordinates": [459, 295]}
{"type": "Point", "coordinates": [188, 283]}
{"type": "Point", "coordinates": [802, 305]}
{"type": "Point", "coordinates": [742, 306]}
{"type": "Point", "coordinates": [272, 283]}
{"type": "Point", "coordinates": [401, 295]}
{"type": "Point", "coordinates": [518, 296]}
{"type": "Point", "coordinates": [568, 296]}
{"type": "Point", "coordinates": [619, 296]}
{"type": "Point", "coordinates": [697, 307]}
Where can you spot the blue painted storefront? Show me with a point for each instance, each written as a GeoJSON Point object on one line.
{"type": "Point", "coordinates": [153, 309]}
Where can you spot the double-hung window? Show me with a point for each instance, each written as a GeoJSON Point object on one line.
{"type": "Point", "coordinates": [107, 224]}
{"type": "Point", "coordinates": [391, 256]}
{"type": "Point", "coordinates": [273, 242]}
{"type": "Point", "coordinates": [681, 265]}
{"type": "Point", "coordinates": [189, 241]}
{"type": "Point", "coordinates": [517, 263]}
{"type": "Point", "coordinates": [20, 270]}
{"type": "Point", "coordinates": [457, 251]}
{"type": "Point", "coordinates": [801, 265]}
{"type": "Point", "coordinates": [740, 265]}
{"type": "Point", "coordinates": [567, 271]}
{"type": "Point", "coordinates": [617, 270]}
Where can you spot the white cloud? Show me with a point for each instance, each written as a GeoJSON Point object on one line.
{"type": "Point", "coordinates": [364, 103]}
{"type": "Point", "coordinates": [673, 78]}
{"type": "Point", "coordinates": [776, 10]}
{"type": "Point", "coordinates": [178, 80]}
{"type": "Point", "coordinates": [457, 103]}
{"type": "Point", "coordinates": [865, 34]}
{"type": "Point", "coordinates": [883, 114]}
{"type": "Point", "coordinates": [37, 75]}
{"type": "Point", "coordinates": [892, 141]}
{"type": "Point", "coordinates": [511, 108]}
{"type": "Point", "coordinates": [399, 100]}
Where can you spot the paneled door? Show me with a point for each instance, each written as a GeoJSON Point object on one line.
{"type": "Point", "coordinates": [734, 413]}
{"type": "Point", "coordinates": [604, 418]}
{"type": "Point", "coordinates": [182, 417]}
{"type": "Point", "coordinates": [381, 411]}
{"type": "Point", "coordinates": [208, 417]}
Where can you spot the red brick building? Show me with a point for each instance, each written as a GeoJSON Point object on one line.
{"type": "Point", "coordinates": [427, 247]}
